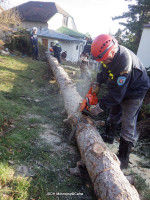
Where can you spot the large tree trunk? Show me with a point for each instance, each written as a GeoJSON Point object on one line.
{"type": "Point", "coordinates": [102, 165]}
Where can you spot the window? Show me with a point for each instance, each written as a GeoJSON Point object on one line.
{"type": "Point", "coordinates": [45, 42]}
{"type": "Point", "coordinates": [77, 47]}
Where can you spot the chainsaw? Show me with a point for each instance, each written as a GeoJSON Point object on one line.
{"type": "Point", "coordinates": [90, 99]}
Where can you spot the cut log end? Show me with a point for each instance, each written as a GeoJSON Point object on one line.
{"type": "Point", "coordinates": [97, 148]}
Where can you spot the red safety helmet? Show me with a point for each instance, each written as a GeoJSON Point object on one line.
{"type": "Point", "coordinates": [102, 45]}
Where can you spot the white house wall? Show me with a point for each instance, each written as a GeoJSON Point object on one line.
{"type": "Point", "coordinates": [144, 48]}
{"type": "Point", "coordinates": [72, 53]}
{"type": "Point", "coordinates": [29, 25]}
{"type": "Point", "coordinates": [55, 22]}
{"type": "Point", "coordinates": [71, 24]}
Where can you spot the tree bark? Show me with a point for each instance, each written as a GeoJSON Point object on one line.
{"type": "Point", "coordinates": [102, 165]}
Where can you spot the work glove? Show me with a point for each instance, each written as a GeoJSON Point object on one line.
{"type": "Point", "coordinates": [95, 109]}
{"type": "Point", "coordinates": [95, 87]}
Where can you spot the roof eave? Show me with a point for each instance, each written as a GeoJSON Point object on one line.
{"type": "Point", "coordinates": [147, 25]}
{"type": "Point", "coordinates": [53, 37]}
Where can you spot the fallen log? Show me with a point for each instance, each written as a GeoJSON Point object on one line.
{"type": "Point", "coordinates": [102, 165]}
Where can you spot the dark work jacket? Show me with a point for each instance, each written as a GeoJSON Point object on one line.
{"type": "Point", "coordinates": [125, 76]}
{"type": "Point", "coordinates": [57, 49]}
{"type": "Point", "coordinates": [87, 48]}
{"type": "Point", "coordinates": [34, 40]}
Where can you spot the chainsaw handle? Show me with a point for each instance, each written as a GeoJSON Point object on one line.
{"type": "Point", "coordinates": [87, 102]}
{"type": "Point", "coordinates": [88, 113]}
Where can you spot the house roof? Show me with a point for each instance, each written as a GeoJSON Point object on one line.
{"type": "Point", "coordinates": [56, 35]}
{"type": "Point", "coordinates": [147, 25]}
{"type": "Point", "coordinates": [39, 11]}
{"type": "Point", "coordinates": [70, 32]}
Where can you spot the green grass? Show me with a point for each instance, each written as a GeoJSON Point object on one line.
{"type": "Point", "coordinates": [141, 186]}
{"type": "Point", "coordinates": [146, 109]}
{"type": "Point", "coordinates": [29, 98]}
{"type": "Point", "coordinates": [12, 187]}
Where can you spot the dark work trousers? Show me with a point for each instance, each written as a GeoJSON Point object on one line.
{"type": "Point", "coordinates": [35, 52]}
{"type": "Point", "coordinates": [58, 57]}
{"type": "Point", "coordinates": [127, 113]}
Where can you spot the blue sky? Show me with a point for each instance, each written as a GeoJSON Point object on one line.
{"type": "Point", "coordinates": [93, 16]}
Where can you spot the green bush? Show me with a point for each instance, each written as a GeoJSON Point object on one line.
{"type": "Point", "coordinates": [20, 41]}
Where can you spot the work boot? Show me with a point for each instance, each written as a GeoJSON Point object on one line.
{"type": "Point", "coordinates": [110, 132]}
{"type": "Point", "coordinates": [125, 148]}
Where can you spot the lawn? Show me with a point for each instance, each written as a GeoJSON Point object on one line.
{"type": "Point", "coordinates": [34, 154]}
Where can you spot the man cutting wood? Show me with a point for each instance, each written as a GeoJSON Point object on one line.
{"type": "Point", "coordinates": [127, 82]}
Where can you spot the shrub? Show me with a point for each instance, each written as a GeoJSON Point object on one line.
{"type": "Point", "coordinates": [20, 41]}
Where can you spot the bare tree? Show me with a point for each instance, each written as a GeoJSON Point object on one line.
{"type": "Point", "coordinates": [9, 20]}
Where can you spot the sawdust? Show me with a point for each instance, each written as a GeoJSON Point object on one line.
{"type": "Point", "coordinates": [55, 140]}
{"type": "Point", "coordinates": [31, 116]}
{"type": "Point", "coordinates": [134, 166]}
{"type": "Point", "coordinates": [24, 171]}
{"type": "Point", "coordinates": [50, 136]}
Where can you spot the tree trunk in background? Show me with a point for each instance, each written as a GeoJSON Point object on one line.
{"type": "Point", "coordinates": [85, 72]}
{"type": "Point", "coordinates": [102, 165]}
